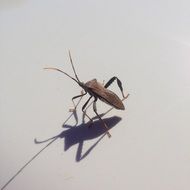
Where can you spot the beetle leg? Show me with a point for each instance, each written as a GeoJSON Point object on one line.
{"type": "Point", "coordinates": [75, 97]}
{"type": "Point", "coordinates": [118, 83]}
{"type": "Point", "coordinates": [95, 110]}
{"type": "Point", "coordinates": [84, 111]}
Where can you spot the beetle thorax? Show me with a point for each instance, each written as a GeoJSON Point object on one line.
{"type": "Point", "coordinates": [91, 83]}
{"type": "Point", "coordinates": [88, 86]}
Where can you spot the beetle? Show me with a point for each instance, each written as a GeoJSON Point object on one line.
{"type": "Point", "coordinates": [97, 91]}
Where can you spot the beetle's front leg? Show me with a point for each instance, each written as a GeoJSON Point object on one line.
{"type": "Point", "coordinates": [75, 97]}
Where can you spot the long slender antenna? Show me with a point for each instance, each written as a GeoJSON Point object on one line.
{"type": "Point", "coordinates": [52, 68]}
{"type": "Point", "coordinates": [73, 66]}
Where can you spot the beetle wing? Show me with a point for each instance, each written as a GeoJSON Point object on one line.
{"type": "Point", "coordinates": [104, 94]}
{"type": "Point", "coordinates": [111, 98]}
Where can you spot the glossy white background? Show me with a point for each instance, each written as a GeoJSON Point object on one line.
{"type": "Point", "coordinates": [145, 43]}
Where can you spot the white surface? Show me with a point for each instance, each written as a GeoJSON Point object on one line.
{"type": "Point", "coordinates": [145, 43]}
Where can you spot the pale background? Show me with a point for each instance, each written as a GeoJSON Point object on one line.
{"type": "Point", "coordinates": [145, 43]}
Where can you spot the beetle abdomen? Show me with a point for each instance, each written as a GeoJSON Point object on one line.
{"type": "Point", "coordinates": [112, 99]}
{"type": "Point", "coordinates": [98, 90]}
{"type": "Point", "coordinates": [94, 88]}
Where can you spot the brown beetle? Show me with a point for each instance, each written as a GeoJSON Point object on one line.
{"type": "Point", "coordinates": [97, 91]}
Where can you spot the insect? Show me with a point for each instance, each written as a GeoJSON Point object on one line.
{"type": "Point", "coordinates": [97, 91]}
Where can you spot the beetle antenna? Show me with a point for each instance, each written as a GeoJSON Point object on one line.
{"type": "Point", "coordinates": [53, 68]}
{"type": "Point", "coordinates": [73, 66]}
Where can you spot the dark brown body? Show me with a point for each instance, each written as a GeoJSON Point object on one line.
{"type": "Point", "coordinates": [97, 91]}
{"type": "Point", "coordinates": [95, 88]}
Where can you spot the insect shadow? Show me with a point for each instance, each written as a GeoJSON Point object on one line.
{"type": "Point", "coordinates": [76, 135]}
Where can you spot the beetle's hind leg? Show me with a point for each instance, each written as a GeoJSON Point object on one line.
{"type": "Point", "coordinates": [104, 124]}
{"type": "Point", "coordinates": [118, 83]}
